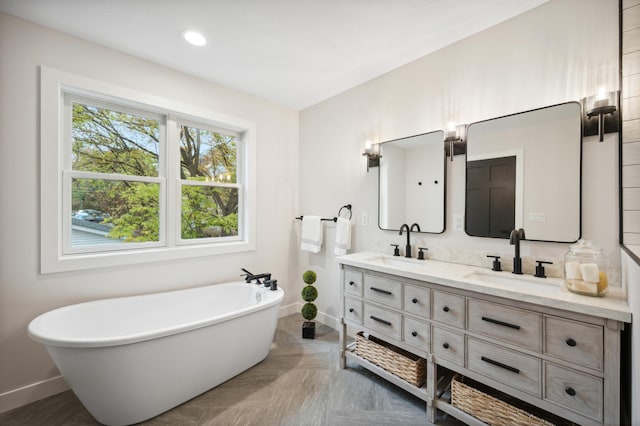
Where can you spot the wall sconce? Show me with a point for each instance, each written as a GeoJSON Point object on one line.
{"type": "Point", "coordinates": [600, 114]}
{"type": "Point", "coordinates": [372, 152]}
{"type": "Point", "coordinates": [455, 139]}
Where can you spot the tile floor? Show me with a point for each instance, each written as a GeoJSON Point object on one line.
{"type": "Point", "coordinates": [298, 384]}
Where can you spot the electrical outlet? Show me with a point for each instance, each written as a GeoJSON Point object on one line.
{"type": "Point", "coordinates": [458, 222]}
{"type": "Point", "coordinates": [364, 219]}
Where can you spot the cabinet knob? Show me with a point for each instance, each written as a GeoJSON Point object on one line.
{"type": "Point", "coordinates": [350, 309]}
{"type": "Point", "coordinates": [414, 333]}
{"type": "Point", "coordinates": [445, 308]}
{"type": "Point", "coordinates": [570, 342]}
{"type": "Point", "coordinates": [414, 300]}
{"type": "Point", "coordinates": [445, 345]}
{"type": "Point", "coordinates": [570, 391]}
{"type": "Point", "coordinates": [351, 283]}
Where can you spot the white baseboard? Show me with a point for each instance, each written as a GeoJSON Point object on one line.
{"type": "Point", "coordinates": [34, 392]}
{"type": "Point", "coordinates": [322, 318]}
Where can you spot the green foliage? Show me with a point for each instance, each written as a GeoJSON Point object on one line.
{"type": "Point", "coordinates": [309, 311]}
{"type": "Point", "coordinates": [309, 277]}
{"type": "Point", "coordinates": [110, 141]}
{"type": "Point", "coordinates": [309, 293]}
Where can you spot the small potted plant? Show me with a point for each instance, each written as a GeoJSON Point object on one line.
{"type": "Point", "coordinates": [309, 310]}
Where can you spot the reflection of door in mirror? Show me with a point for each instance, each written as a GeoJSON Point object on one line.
{"type": "Point", "coordinates": [411, 183]}
{"type": "Point", "coordinates": [491, 193]}
{"type": "Point", "coordinates": [547, 145]}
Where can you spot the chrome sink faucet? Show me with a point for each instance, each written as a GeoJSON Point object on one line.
{"type": "Point", "coordinates": [515, 237]}
{"type": "Point", "coordinates": [414, 227]}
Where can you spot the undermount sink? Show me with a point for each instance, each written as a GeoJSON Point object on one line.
{"type": "Point", "coordinates": [397, 261]}
{"type": "Point", "coordinates": [511, 280]}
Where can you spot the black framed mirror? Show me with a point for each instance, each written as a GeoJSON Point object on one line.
{"type": "Point", "coordinates": [524, 171]}
{"type": "Point", "coordinates": [411, 183]}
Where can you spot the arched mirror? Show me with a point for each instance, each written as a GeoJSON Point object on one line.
{"type": "Point", "coordinates": [411, 187]}
{"type": "Point", "coordinates": [524, 171]}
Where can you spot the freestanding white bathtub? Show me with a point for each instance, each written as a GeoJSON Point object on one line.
{"type": "Point", "coordinates": [131, 358]}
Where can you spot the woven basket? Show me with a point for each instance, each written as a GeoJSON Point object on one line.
{"type": "Point", "coordinates": [409, 367]}
{"type": "Point", "coordinates": [489, 409]}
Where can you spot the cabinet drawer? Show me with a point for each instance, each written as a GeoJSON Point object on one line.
{"type": "Point", "coordinates": [353, 310]}
{"type": "Point", "coordinates": [574, 341]}
{"type": "Point", "coordinates": [448, 308]}
{"type": "Point", "coordinates": [382, 290]}
{"type": "Point", "coordinates": [416, 333]}
{"type": "Point", "coordinates": [574, 390]}
{"type": "Point", "coordinates": [417, 300]}
{"type": "Point", "coordinates": [448, 344]}
{"type": "Point", "coordinates": [512, 368]}
{"type": "Point", "coordinates": [353, 282]}
{"type": "Point", "coordinates": [517, 326]}
{"type": "Point", "coordinates": [382, 322]}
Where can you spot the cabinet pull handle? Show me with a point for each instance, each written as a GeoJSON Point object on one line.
{"type": "Point", "coordinates": [414, 333]}
{"type": "Point", "coordinates": [351, 283]}
{"type": "Point", "coordinates": [445, 308]}
{"type": "Point", "coordinates": [570, 391]}
{"type": "Point", "coordinates": [501, 365]}
{"type": "Point", "coordinates": [385, 322]}
{"type": "Point", "coordinates": [570, 342]}
{"type": "Point", "coordinates": [379, 290]}
{"type": "Point", "coordinates": [505, 324]}
{"type": "Point", "coordinates": [414, 300]}
{"type": "Point", "coordinates": [445, 345]}
{"type": "Point", "coordinates": [350, 309]}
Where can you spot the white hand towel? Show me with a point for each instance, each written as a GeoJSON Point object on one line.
{"type": "Point", "coordinates": [590, 272]}
{"type": "Point", "coordinates": [343, 236]}
{"type": "Point", "coordinates": [311, 234]}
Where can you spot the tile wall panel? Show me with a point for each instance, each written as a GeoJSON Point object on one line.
{"type": "Point", "coordinates": [631, 122]}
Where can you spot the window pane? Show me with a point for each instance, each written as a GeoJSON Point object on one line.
{"type": "Point", "coordinates": [109, 141]}
{"type": "Point", "coordinates": [209, 212]}
{"type": "Point", "coordinates": [207, 156]}
{"type": "Point", "coordinates": [110, 212]}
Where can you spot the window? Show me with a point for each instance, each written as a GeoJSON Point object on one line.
{"type": "Point", "coordinates": [130, 178]}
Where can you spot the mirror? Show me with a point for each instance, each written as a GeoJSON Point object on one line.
{"type": "Point", "coordinates": [411, 185]}
{"type": "Point", "coordinates": [524, 171]}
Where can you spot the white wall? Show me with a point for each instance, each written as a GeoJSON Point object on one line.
{"type": "Point", "coordinates": [549, 55]}
{"type": "Point", "coordinates": [24, 293]}
{"type": "Point", "coordinates": [631, 282]}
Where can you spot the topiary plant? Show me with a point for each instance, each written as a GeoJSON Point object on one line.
{"type": "Point", "coordinates": [309, 310]}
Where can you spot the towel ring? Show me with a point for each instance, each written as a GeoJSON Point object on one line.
{"type": "Point", "coordinates": [348, 207]}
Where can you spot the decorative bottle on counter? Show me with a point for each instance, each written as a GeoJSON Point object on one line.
{"type": "Point", "coordinates": [586, 269]}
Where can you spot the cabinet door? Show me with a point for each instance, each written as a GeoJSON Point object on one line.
{"type": "Point", "coordinates": [448, 344]}
{"type": "Point", "coordinates": [353, 282]}
{"type": "Point", "coordinates": [416, 333]}
{"type": "Point", "coordinates": [448, 308]}
{"type": "Point", "coordinates": [574, 341]}
{"type": "Point", "coordinates": [574, 390]}
{"type": "Point", "coordinates": [353, 310]}
{"type": "Point", "coordinates": [417, 300]}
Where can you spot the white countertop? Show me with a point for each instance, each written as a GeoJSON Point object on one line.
{"type": "Point", "coordinates": [549, 292]}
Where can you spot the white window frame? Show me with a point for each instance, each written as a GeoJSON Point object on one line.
{"type": "Point", "coordinates": [54, 177]}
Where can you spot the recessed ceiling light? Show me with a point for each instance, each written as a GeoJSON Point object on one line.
{"type": "Point", "coordinates": [194, 37]}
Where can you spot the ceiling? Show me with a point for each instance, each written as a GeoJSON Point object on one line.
{"type": "Point", "coordinates": [293, 52]}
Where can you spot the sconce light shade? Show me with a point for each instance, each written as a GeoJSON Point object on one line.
{"type": "Point", "coordinates": [372, 152]}
{"type": "Point", "coordinates": [601, 114]}
{"type": "Point", "coordinates": [455, 140]}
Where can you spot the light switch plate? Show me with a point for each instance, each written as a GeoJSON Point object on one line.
{"type": "Point", "coordinates": [458, 222]}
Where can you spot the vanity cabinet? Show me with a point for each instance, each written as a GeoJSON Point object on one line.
{"type": "Point", "coordinates": [564, 362]}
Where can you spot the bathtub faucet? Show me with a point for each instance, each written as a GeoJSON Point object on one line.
{"type": "Point", "coordinates": [250, 277]}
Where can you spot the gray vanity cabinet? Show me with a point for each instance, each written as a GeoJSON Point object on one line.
{"type": "Point", "coordinates": [563, 362]}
